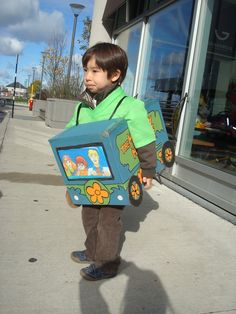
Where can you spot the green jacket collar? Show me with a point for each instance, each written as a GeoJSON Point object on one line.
{"type": "Point", "coordinates": [93, 100]}
{"type": "Point", "coordinates": [113, 96]}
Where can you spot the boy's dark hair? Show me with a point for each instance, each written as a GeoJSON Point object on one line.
{"type": "Point", "coordinates": [109, 57]}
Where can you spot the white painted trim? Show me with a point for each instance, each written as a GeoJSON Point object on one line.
{"type": "Point", "coordinates": [189, 66]}
{"type": "Point", "coordinates": [136, 80]}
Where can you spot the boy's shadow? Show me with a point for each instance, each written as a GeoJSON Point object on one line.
{"type": "Point", "coordinates": [144, 293]}
{"type": "Point", "coordinates": [133, 216]}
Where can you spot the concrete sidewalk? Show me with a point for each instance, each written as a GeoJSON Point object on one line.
{"type": "Point", "coordinates": [177, 256]}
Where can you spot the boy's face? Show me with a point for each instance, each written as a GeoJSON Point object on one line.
{"type": "Point", "coordinates": [95, 79]}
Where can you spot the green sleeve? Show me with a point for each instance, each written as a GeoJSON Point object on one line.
{"type": "Point", "coordinates": [72, 121]}
{"type": "Point", "coordinates": [139, 126]}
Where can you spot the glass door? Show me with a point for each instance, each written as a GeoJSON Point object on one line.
{"type": "Point", "coordinates": [206, 154]}
{"type": "Point", "coordinates": [209, 135]}
{"type": "Point", "coordinates": [129, 40]}
{"type": "Point", "coordinates": [164, 56]}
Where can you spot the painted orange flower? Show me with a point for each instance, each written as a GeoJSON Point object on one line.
{"type": "Point", "coordinates": [96, 193]}
{"type": "Point", "coordinates": [135, 191]}
{"type": "Point", "coordinates": [168, 154]}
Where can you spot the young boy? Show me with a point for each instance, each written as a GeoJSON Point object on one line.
{"type": "Point", "coordinates": [105, 66]}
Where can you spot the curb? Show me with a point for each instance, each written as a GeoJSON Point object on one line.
{"type": "Point", "coordinates": [3, 128]}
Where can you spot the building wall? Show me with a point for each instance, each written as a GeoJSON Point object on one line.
{"type": "Point", "coordinates": [205, 163]}
{"type": "Point", "coordinates": [98, 32]}
{"type": "Point", "coordinates": [18, 91]}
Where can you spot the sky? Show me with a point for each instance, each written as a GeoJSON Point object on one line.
{"type": "Point", "coordinates": [26, 27]}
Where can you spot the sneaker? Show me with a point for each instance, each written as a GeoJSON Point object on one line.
{"type": "Point", "coordinates": [94, 273]}
{"type": "Point", "coordinates": [80, 257]}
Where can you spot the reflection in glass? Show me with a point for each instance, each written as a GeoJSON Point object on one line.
{"type": "Point", "coordinates": [164, 56]}
{"type": "Point", "coordinates": [129, 40]}
{"type": "Point", "coordinates": [214, 138]}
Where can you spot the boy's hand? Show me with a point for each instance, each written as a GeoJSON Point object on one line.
{"type": "Point", "coordinates": [147, 183]}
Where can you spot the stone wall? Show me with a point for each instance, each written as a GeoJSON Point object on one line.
{"type": "Point", "coordinates": [56, 112]}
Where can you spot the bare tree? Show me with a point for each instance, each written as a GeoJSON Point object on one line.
{"type": "Point", "coordinates": [76, 79]}
{"type": "Point", "coordinates": [55, 65]}
{"type": "Point", "coordinates": [84, 40]}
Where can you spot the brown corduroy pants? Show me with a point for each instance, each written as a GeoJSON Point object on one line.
{"type": "Point", "coordinates": [102, 225]}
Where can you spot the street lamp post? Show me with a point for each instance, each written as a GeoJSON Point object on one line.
{"type": "Point", "coordinates": [76, 8]}
{"type": "Point", "coordinates": [14, 92]}
{"type": "Point", "coordinates": [41, 80]}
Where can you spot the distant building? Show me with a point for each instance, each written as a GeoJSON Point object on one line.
{"type": "Point", "coordinates": [21, 90]}
{"type": "Point", "coordinates": [3, 91]}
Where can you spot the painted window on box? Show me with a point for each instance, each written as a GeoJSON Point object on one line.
{"type": "Point", "coordinates": [85, 162]}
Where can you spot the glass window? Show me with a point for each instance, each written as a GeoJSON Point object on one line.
{"type": "Point", "coordinates": [164, 56]}
{"type": "Point", "coordinates": [129, 40]}
{"type": "Point", "coordinates": [135, 8]}
{"type": "Point", "coordinates": [121, 16]}
{"type": "Point", "coordinates": [210, 135]}
{"type": "Point", "coordinates": [153, 3]}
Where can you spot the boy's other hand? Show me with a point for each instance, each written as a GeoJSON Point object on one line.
{"type": "Point", "coordinates": [147, 183]}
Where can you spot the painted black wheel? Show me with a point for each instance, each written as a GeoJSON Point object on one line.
{"type": "Point", "coordinates": [135, 191]}
{"type": "Point", "coordinates": [168, 154]}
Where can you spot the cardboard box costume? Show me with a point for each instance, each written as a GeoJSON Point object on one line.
{"type": "Point", "coordinates": [99, 163]}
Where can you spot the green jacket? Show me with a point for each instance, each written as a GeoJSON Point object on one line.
{"type": "Point", "coordinates": [131, 109]}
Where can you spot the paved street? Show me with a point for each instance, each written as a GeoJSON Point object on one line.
{"type": "Point", "coordinates": [178, 258]}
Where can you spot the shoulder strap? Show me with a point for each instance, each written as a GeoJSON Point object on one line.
{"type": "Point", "coordinates": [77, 114]}
{"type": "Point", "coordinates": [114, 111]}
{"type": "Point", "coordinates": [117, 106]}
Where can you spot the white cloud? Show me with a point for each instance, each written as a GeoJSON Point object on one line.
{"type": "Point", "coordinates": [22, 21]}
{"type": "Point", "coordinates": [15, 11]}
{"type": "Point", "coordinates": [10, 46]}
{"type": "Point", "coordinates": [4, 74]}
{"type": "Point", "coordinates": [174, 58]}
{"type": "Point", "coordinates": [39, 29]}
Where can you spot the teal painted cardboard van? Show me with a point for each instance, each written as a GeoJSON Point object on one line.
{"type": "Point", "coordinates": [99, 163]}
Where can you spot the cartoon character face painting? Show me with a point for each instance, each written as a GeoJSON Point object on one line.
{"type": "Point", "coordinates": [82, 166]}
{"type": "Point", "coordinates": [85, 162]}
{"type": "Point", "coordinates": [97, 170]}
{"type": "Point", "coordinates": [68, 165]}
